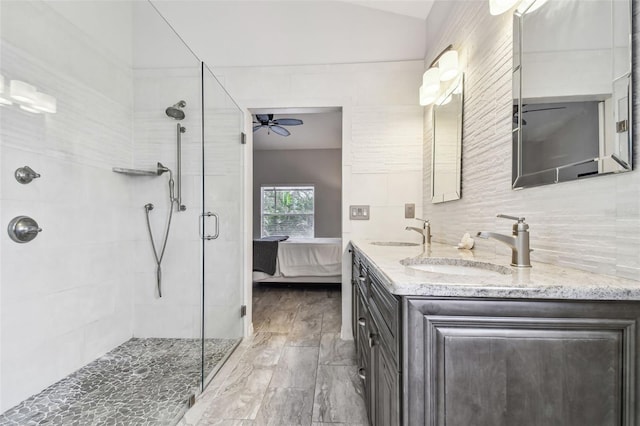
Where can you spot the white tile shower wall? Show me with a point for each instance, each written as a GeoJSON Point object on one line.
{"type": "Point", "coordinates": [592, 224]}
{"type": "Point", "coordinates": [66, 296]}
{"type": "Point", "coordinates": [176, 313]}
{"type": "Point", "coordinates": [179, 313]}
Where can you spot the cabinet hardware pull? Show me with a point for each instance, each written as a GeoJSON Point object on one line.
{"type": "Point", "coordinates": [372, 339]}
{"type": "Point", "coordinates": [361, 373]}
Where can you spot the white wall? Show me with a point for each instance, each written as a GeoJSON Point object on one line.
{"type": "Point", "coordinates": [66, 296]}
{"type": "Point", "coordinates": [381, 137]}
{"type": "Point", "coordinates": [319, 167]}
{"type": "Point", "coordinates": [591, 224]}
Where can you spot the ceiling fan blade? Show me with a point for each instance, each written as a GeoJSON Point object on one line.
{"type": "Point", "coordinates": [262, 117]}
{"type": "Point", "coordinates": [287, 122]}
{"type": "Point", "coordinates": [280, 130]}
{"type": "Point", "coordinates": [256, 128]}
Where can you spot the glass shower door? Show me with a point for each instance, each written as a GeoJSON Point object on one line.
{"type": "Point", "coordinates": [221, 223]}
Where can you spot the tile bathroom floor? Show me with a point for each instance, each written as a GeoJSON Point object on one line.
{"type": "Point", "coordinates": [295, 369]}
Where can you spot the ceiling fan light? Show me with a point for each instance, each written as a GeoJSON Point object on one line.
{"type": "Point", "coordinates": [448, 65]}
{"type": "Point", "coordinates": [498, 7]}
{"type": "Point", "coordinates": [431, 80]}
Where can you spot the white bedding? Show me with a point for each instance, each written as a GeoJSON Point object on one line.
{"type": "Point", "coordinates": [308, 258]}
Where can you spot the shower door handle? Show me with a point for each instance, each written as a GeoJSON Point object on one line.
{"type": "Point", "coordinates": [201, 227]}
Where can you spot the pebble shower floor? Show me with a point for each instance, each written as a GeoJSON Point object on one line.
{"type": "Point", "coordinates": [141, 382]}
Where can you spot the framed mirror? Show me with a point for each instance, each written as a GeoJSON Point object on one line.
{"type": "Point", "coordinates": [446, 156]}
{"type": "Point", "coordinates": [571, 90]}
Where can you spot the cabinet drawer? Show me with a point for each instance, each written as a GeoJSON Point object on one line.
{"type": "Point", "coordinates": [387, 303]}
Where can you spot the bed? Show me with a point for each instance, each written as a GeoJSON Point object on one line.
{"type": "Point", "coordinates": [299, 260]}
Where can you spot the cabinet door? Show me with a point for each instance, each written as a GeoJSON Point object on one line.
{"type": "Point", "coordinates": [387, 393]}
{"type": "Point", "coordinates": [511, 363]}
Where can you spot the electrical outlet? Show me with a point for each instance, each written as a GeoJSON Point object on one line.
{"type": "Point", "coordinates": [409, 211]}
{"type": "Point", "coordinates": [359, 212]}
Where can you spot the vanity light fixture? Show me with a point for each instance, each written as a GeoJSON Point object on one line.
{"type": "Point", "coordinates": [27, 97]}
{"type": "Point", "coordinates": [29, 108]}
{"type": "Point", "coordinates": [45, 103]}
{"type": "Point", "coordinates": [22, 92]}
{"type": "Point", "coordinates": [443, 68]}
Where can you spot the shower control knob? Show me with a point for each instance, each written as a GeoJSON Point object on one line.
{"type": "Point", "coordinates": [25, 175]}
{"type": "Point", "coordinates": [23, 229]}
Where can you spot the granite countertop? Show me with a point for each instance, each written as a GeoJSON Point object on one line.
{"type": "Point", "coordinates": [542, 281]}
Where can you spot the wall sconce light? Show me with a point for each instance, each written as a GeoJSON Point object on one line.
{"type": "Point", "coordinates": [22, 92]}
{"type": "Point", "coordinates": [45, 103]}
{"type": "Point", "coordinates": [444, 68]}
{"type": "Point", "coordinates": [27, 97]}
{"type": "Point", "coordinates": [498, 7]}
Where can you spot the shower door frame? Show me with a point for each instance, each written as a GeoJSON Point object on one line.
{"type": "Point", "coordinates": [207, 377]}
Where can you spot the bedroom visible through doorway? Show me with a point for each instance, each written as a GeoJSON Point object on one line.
{"type": "Point", "coordinates": [297, 196]}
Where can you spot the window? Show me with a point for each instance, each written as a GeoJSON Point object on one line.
{"type": "Point", "coordinates": [287, 210]}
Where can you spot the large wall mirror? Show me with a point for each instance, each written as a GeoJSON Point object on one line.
{"type": "Point", "coordinates": [571, 89]}
{"type": "Point", "coordinates": [447, 144]}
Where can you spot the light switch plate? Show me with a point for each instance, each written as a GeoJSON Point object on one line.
{"type": "Point", "coordinates": [359, 212]}
{"type": "Point", "coordinates": [409, 211]}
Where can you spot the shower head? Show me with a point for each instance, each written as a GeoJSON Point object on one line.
{"type": "Point", "coordinates": [175, 111]}
{"type": "Point", "coordinates": [162, 168]}
{"type": "Point", "coordinates": [148, 207]}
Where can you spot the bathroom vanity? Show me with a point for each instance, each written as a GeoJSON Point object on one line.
{"type": "Point", "coordinates": [455, 337]}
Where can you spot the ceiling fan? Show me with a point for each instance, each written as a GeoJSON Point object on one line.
{"type": "Point", "coordinates": [267, 120]}
{"type": "Point", "coordinates": [524, 122]}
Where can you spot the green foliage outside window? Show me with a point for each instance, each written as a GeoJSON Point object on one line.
{"type": "Point", "coordinates": [288, 210]}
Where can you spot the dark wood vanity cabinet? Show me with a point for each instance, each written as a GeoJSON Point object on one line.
{"type": "Point", "coordinates": [376, 333]}
{"type": "Point", "coordinates": [520, 362]}
{"type": "Point", "coordinates": [494, 362]}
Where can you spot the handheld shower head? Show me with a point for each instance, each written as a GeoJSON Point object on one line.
{"type": "Point", "coordinates": [175, 111]}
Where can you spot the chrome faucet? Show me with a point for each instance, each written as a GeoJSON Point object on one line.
{"type": "Point", "coordinates": [425, 231]}
{"type": "Point", "coordinates": [518, 241]}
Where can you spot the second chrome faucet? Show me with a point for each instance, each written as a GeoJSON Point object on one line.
{"type": "Point", "coordinates": [518, 241]}
{"type": "Point", "coordinates": [425, 231]}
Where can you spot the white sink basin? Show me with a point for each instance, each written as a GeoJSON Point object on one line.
{"type": "Point", "coordinates": [394, 243]}
{"type": "Point", "coordinates": [457, 267]}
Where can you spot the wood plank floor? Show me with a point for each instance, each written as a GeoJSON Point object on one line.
{"type": "Point", "coordinates": [295, 369]}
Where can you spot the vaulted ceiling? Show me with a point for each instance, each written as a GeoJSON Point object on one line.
{"type": "Point", "coordinates": [302, 32]}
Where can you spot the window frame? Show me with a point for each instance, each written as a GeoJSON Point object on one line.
{"type": "Point", "coordinates": [275, 187]}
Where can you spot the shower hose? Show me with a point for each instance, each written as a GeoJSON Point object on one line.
{"type": "Point", "coordinates": [160, 255]}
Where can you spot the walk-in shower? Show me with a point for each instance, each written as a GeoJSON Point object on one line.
{"type": "Point", "coordinates": [85, 338]}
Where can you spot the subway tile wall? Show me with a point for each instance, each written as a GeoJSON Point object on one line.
{"type": "Point", "coordinates": [592, 224]}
